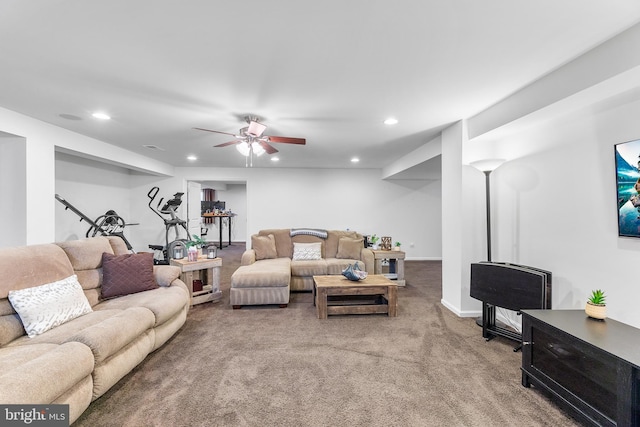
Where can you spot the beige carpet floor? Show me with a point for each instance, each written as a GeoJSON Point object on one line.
{"type": "Point", "coordinates": [270, 366]}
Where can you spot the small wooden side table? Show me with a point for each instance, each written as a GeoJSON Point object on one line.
{"type": "Point", "coordinates": [398, 256]}
{"type": "Point", "coordinates": [207, 267]}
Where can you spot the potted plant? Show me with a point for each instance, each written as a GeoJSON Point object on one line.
{"type": "Point", "coordinates": [195, 245]}
{"type": "Point", "coordinates": [374, 241]}
{"type": "Point", "coordinates": [596, 306]}
{"type": "Point", "coordinates": [397, 247]}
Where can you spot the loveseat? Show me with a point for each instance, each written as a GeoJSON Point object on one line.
{"type": "Point", "coordinates": [117, 326]}
{"type": "Point", "coordinates": [284, 260]}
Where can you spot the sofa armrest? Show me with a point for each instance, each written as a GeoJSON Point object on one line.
{"type": "Point", "coordinates": [366, 256]}
{"type": "Point", "coordinates": [165, 274]}
{"type": "Point", "coordinates": [248, 257]}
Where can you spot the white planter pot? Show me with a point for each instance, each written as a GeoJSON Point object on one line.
{"type": "Point", "coordinates": [596, 311]}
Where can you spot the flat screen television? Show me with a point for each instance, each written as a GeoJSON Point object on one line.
{"type": "Point", "coordinates": [627, 157]}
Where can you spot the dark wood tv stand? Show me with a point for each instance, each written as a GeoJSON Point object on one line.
{"type": "Point", "coordinates": [591, 367]}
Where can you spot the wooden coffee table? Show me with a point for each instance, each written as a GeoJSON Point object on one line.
{"type": "Point", "coordinates": [350, 297]}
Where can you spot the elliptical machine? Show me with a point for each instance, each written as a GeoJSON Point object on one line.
{"type": "Point", "coordinates": [172, 223]}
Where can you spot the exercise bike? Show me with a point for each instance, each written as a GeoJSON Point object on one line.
{"type": "Point", "coordinates": [167, 212]}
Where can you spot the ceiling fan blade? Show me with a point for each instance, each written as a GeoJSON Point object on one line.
{"type": "Point", "coordinates": [287, 140]}
{"type": "Point", "coordinates": [216, 131]}
{"type": "Point", "coordinates": [256, 129]}
{"type": "Point", "coordinates": [268, 148]}
{"type": "Point", "coordinates": [224, 144]}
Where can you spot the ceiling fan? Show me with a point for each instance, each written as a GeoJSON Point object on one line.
{"type": "Point", "coordinates": [251, 139]}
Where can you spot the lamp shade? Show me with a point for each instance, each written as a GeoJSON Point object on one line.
{"type": "Point", "coordinates": [257, 149]}
{"type": "Point", "coordinates": [243, 148]}
{"type": "Point", "coordinates": [487, 165]}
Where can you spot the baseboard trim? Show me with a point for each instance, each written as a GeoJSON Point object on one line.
{"type": "Point", "coordinates": [466, 313]}
{"type": "Point", "coordinates": [420, 258]}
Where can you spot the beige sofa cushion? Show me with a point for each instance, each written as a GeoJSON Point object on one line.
{"type": "Point", "coordinates": [60, 334]}
{"type": "Point", "coordinates": [309, 268]}
{"type": "Point", "coordinates": [164, 302]}
{"type": "Point", "coordinates": [349, 248]}
{"type": "Point", "coordinates": [27, 266]}
{"type": "Point", "coordinates": [264, 246]}
{"type": "Point", "coordinates": [86, 254]}
{"type": "Point", "coordinates": [108, 337]}
{"type": "Point", "coordinates": [284, 247]}
{"type": "Point", "coordinates": [264, 273]}
{"type": "Point", "coordinates": [331, 244]}
{"type": "Point", "coordinates": [41, 373]}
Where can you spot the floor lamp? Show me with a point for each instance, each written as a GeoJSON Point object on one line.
{"type": "Point", "coordinates": [487, 166]}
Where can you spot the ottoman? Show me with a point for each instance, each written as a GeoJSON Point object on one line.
{"type": "Point", "coordinates": [263, 282]}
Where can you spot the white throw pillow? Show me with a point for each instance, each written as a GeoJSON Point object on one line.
{"type": "Point", "coordinates": [307, 251]}
{"type": "Point", "coordinates": [46, 306]}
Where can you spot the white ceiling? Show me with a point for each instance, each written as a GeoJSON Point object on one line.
{"type": "Point", "coordinates": [328, 71]}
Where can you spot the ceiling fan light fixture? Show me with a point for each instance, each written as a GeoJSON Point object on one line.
{"type": "Point", "coordinates": [243, 148]}
{"type": "Point", "coordinates": [257, 149]}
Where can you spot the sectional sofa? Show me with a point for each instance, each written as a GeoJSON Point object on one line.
{"type": "Point", "coordinates": [284, 260]}
{"type": "Point", "coordinates": [77, 316]}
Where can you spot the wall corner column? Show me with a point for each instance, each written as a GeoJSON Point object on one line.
{"type": "Point", "coordinates": [457, 236]}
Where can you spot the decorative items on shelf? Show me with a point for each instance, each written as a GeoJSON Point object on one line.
{"type": "Point", "coordinates": [374, 241]}
{"type": "Point", "coordinates": [398, 247]}
{"type": "Point", "coordinates": [194, 247]}
{"type": "Point", "coordinates": [212, 250]}
{"type": "Point", "coordinates": [178, 250]}
{"type": "Point", "coordinates": [192, 253]}
{"type": "Point", "coordinates": [386, 243]}
{"type": "Point", "coordinates": [596, 307]}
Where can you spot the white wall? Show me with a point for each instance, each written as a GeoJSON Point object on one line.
{"type": "Point", "coordinates": [556, 209]}
{"type": "Point", "coordinates": [42, 141]}
{"type": "Point", "coordinates": [93, 188]}
{"type": "Point", "coordinates": [13, 187]}
{"type": "Point", "coordinates": [357, 199]}
{"type": "Point", "coordinates": [235, 198]}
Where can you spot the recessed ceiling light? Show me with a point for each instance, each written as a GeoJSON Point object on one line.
{"type": "Point", "coordinates": [101, 116]}
{"type": "Point", "coordinates": [153, 147]}
{"type": "Point", "coordinates": [275, 159]}
{"type": "Point", "coordinates": [70, 117]}
{"type": "Point", "coordinates": [192, 158]}
{"type": "Point", "coordinates": [355, 160]}
{"type": "Point", "coordinates": [391, 121]}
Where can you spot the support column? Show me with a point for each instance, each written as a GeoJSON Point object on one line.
{"type": "Point", "coordinates": [463, 231]}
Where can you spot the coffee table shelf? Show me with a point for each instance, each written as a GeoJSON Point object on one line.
{"type": "Point", "coordinates": [335, 294]}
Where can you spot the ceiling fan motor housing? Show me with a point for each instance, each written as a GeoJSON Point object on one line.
{"type": "Point", "coordinates": [255, 129]}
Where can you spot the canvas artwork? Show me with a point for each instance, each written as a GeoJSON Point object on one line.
{"type": "Point", "coordinates": [627, 155]}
